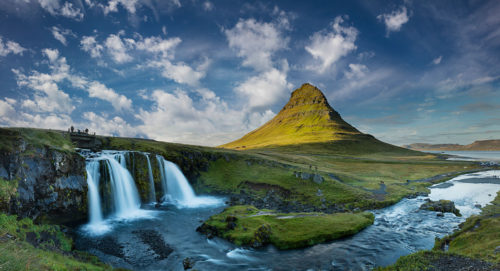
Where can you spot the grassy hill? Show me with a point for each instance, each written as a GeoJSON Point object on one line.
{"type": "Point", "coordinates": [308, 123]}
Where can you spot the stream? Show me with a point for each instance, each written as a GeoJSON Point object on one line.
{"type": "Point", "coordinates": [163, 237]}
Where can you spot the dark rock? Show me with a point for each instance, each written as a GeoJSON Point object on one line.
{"type": "Point", "coordinates": [477, 205]}
{"type": "Point", "coordinates": [443, 206]}
{"type": "Point", "coordinates": [497, 249]}
{"type": "Point", "coordinates": [305, 176]}
{"type": "Point", "coordinates": [187, 263]}
{"type": "Point", "coordinates": [440, 214]}
{"type": "Point", "coordinates": [50, 183]}
{"type": "Point", "coordinates": [156, 242]}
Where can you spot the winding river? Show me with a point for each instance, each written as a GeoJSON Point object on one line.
{"type": "Point", "coordinates": [398, 230]}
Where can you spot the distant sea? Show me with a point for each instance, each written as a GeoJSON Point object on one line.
{"type": "Point", "coordinates": [472, 155]}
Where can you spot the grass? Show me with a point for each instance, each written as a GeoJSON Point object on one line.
{"type": "Point", "coordinates": [285, 231]}
{"type": "Point", "coordinates": [8, 189]}
{"type": "Point", "coordinates": [35, 137]}
{"type": "Point", "coordinates": [27, 246]}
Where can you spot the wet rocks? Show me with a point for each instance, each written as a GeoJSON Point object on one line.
{"type": "Point", "coordinates": [156, 242]}
{"type": "Point", "coordinates": [443, 206]}
{"type": "Point", "coordinates": [497, 249]}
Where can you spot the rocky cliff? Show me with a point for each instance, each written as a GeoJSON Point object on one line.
{"type": "Point", "coordinates": [40, 181]}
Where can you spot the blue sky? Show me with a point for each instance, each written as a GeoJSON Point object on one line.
{"type": "Point", "coordinates": [206, 72]}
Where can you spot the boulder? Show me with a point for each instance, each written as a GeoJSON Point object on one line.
{"type": "Point", "coordinates": [443, 206]}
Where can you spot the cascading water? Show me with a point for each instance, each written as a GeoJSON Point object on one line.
{"type": "Point", "coordinates": [177, 190]}
{"type": "Point", "coordinates": [123, 193]}
{"type": "Point", "coordinates": [125, 196]}
{"type": "Point", "coordinates": [152, 192]}
{"type": "Point", "coordinates": [93, 176]}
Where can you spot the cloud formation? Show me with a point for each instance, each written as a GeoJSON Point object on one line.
{"type": "Point", "coordinates": [10, 47]}
{"type": "Point", "coordinates": [395, 20]}
{"type": "Point", "coordinates": [328, 46]}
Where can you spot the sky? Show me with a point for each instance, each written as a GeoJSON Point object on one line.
{"type": "Point", "coordinates": [206, 72]}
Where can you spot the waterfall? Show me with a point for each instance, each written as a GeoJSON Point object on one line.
{"type": "Point", "coordinates": [125, 196]}
{"type": "Point", "coordinates": [152, 192]}
{"type": "Point", "coordinates": [177, 189]}
{"type": "Point", "coordinates": [95, 212]}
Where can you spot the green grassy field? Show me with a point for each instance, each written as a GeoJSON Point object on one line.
{"type": "Point", "coordinates": [248, 226]}
{"type": "Point", "coordinates": [27, 246]}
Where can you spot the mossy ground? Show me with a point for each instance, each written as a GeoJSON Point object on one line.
{"type": "Point", "coordinates": [285, 231]}
{"type": "Point", "coordinates": [27, 246]}
{"type": "Point", "coordinates": [36, 138]}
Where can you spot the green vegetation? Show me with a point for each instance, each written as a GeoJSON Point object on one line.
{"type": "Point", "coordinates": [8, 189]}
{"type": "Point", "coordinates": [26, 246]}
{"type": "Point", "coordinates": [35, 137]}
{"type": "Point", "coordinates": [248, 226]}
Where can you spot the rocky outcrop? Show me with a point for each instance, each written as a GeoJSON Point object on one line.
{"type": "Point", "coordinates": [443, 206]}
{"type": "Point", "coordinates": [47, 184]}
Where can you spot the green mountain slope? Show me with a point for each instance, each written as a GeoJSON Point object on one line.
{"type": "Point", "coordinates": [308, 121]}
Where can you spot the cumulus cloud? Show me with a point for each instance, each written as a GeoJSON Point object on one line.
{"type": "Point", "coordinates": [90, 45]}
{"type": "Point", "coordinates": [264, 89]}
{"type": "Point", "coordinates": [107, 125]}
{"type": "Point", "coordinates": [328, 46]}
{"type": "Point", "coordinates": [112, 6]}
{"type": "Point", "coordinates": [394, 21]}
{"type": "Point", "coordinates": [208, 121]}
{"type": "Point", "coordinates": [100, 91]}
{"type": "Point", "coordinates": [67, 10]}
{"type": "Point", "coordinates": [61, 34]}
{"type": "Point", "coordinates": [256, 42]}
{"type": "Point", "coordinates": [48, 97]}
{"type": "Point", "coordinates": [10, 47]}
{"type": "Point", "coordinates": [116, 48]}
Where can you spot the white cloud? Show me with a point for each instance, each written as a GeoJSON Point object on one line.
{"type": "Point", "coordinates": [207, 122]}
{"type": "Point", "coordinates": [60, 34]}
{"type": "Point", "coordinates": [116, 48]}
{"type": "Point", "coordinates": [49, 98]}
{"type": "Point", "coordinates": [7, 111]}
{"type": "Point", "coordinates": [437, 60]}
{"type": "Point", "coordinates": [256, 42]}
{"type": "Point", "coordinates": [329, 46]}
{"type": "Point", "coordinates": [356, 71]}
{"type": "Point", "coordinates": [129, 5]}
{"type": "Point", "coordinates": [394, 20]}
{"type": "Point", "coordinates": [208, 6]}
{"type": "Point", "coordinates": [10, 47]}
{"type": "Point", "coordinates": [165, 47]}
{"type": "Point", "coordinates": [90, 45]}
{"type": "Point", "coordinates": [181, 72]}
{"type": "Point", "coordinates": [100, 91]}
{"type": "Point", "coordinates": [264, 89]}
{"type": "Point", "coordinates": [108, 126]}
{"type": "Point", "coordinates": [67, 10]}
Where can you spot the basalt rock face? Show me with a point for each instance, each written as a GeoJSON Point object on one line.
{"type": "Point", "coordinates": [45, 184]}
{"type": "Point", "coordinates": [306, 118]}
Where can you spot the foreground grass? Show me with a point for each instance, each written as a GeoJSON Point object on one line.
{"type": "Point", "coordinates": [26, 246]}
{"type": "Point", "coordinates": [248, 226]}
{"type": "Point", "coordinates": [35, 137]}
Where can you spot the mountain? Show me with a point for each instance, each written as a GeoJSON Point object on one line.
{"type": "Point", "coordinates": [308, 119]}
{"type": "Point", "coordinates": [479, 145]}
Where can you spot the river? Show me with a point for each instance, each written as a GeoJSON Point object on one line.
{"type": "Point", "coordinates": [398, 230]}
